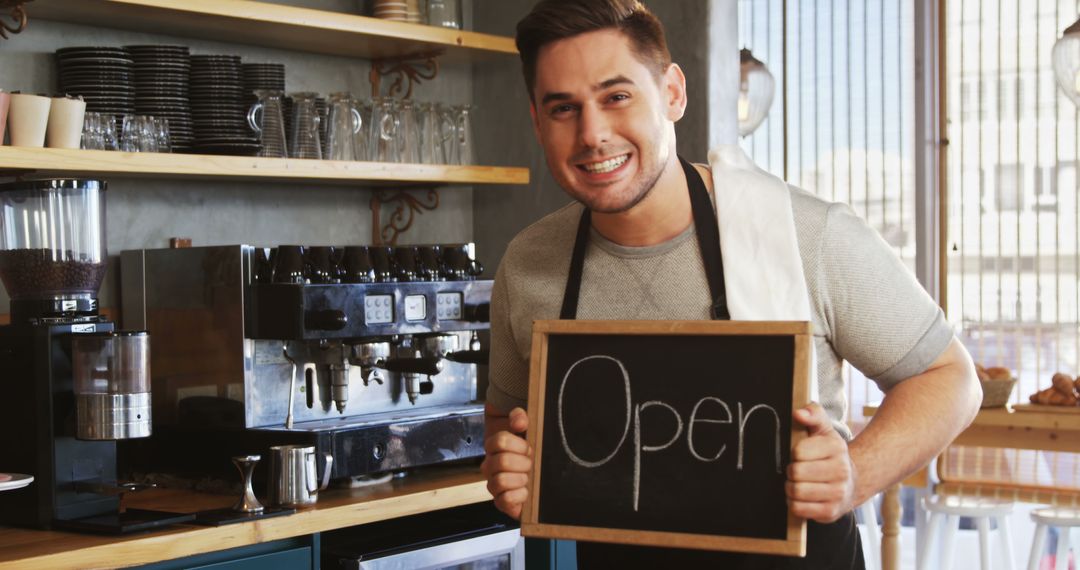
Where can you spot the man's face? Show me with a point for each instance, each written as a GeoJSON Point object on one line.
{"type": "Point", "coordinates": [605, 122]}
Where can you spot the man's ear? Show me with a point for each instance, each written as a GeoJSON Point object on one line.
{"type": "Point", "coordinates": [674, 92]}
{"type": "Point", "coordinates": [535, 122]}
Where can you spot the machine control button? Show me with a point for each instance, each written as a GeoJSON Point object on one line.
{"type": "Point", "coordinates": [415, 308]}
{"type": "Point", "coordinates": [378, 309]}
{"type": "Point", "coordinates": [450, 306]}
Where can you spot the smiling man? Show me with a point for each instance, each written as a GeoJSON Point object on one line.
{"type": "Point", "coordinates": [641, 241]}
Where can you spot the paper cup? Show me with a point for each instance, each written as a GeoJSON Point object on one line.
{"type": "Point", "coordinates": [65, 123]}
{"type": "Point", "coordinates": [27, 119]}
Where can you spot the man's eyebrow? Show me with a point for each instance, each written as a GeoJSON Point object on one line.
{"type": "Point", "coordinates": [606, 84]}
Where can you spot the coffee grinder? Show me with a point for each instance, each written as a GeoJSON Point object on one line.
{"type": "Point", "coordinates": [73, 385]}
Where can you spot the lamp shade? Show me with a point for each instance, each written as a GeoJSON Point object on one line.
{"type": "Point", "coordinates": [1066, 57]}
{"type": "Point", "coordinates": [756, 89]}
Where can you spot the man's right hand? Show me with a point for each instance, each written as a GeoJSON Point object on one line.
{"type": "Point", "coordinates": [508, 460]}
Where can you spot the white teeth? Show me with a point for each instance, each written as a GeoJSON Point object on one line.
{"type": "Point", "coordinates": [607, 165]}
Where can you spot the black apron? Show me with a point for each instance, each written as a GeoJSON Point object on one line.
{"type": "Point", "coordinates": [829, 546]}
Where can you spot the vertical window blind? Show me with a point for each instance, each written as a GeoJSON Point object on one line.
{"type": "Point", "coordinates": [844, 77]}
{"type": "Point", "coordinates": [842, 126]}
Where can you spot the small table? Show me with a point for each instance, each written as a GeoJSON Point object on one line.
{"type": "Point", "coordinates": [1041, 428]}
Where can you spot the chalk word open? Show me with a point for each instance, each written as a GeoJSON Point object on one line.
{"type": "Point", "coordinates": [633, 419]}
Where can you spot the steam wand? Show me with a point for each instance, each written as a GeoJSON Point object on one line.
{"type": "Point", "coordinates": [292, 384]}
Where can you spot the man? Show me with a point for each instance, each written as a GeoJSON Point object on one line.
{"type": "Point", "coordinates": [635, 245]}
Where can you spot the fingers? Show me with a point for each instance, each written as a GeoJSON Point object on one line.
{"type": "Point", "coordinates": [501, 462]}
{"type": "Point", "coordinates": [500, 483]}
{"type": "Point", "coordinates": [820, 446]}
{"type": "Point", "coordinates": [821, 471]}
{"type": "Point", "coordinates": [506, 442]}
{"type": "Point", "coordinates": [519, 420]}
{"type": "Point", "coordinates": [802, 492]}
{"type": "Point", "coordinates": [823, 512]}
{"type": "Point", "coordinates": [814, 418]}
{"type": "Point", "coordinates": [511, 502]}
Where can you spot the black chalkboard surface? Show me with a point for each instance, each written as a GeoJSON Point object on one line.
{"type": "Point", "coordinates": [666, 433]}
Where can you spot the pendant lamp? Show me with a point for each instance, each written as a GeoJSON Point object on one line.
{"type": "Point", "coordinates": [756, 89]}
{"type": "Point", "coordinates": [1066, 57]}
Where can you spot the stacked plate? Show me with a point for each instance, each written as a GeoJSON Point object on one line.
{"type": "Point", "coordinates": [218, 106]}
{"type": "Point", "coordinates": [396, 10]}
{"type": "Point", "coordinates": [162, 75]}
{"type": "Point", "coordinates": [103, 76]}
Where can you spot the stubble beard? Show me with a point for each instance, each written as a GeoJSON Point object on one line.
{"type": "Point", "coordinates": [637, 193]}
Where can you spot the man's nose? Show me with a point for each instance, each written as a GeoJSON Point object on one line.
{"type": "Point", "coordinates": [594, 129]}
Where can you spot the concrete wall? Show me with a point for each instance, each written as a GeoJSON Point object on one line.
{"type": "Point", "coordinates": [144, 213]}
{"type": "Point", "coordinates": [500, 212]}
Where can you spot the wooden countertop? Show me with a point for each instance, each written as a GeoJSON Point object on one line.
{"type": "Point", "coordinates": [426, 490]}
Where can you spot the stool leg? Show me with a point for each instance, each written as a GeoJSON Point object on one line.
{"type": "Point", "coordinates": [1062, 558]}
{"type": "Point", "coordinates": [1038, 544]}
{"type": "Point", "coordinates": [952, 525]}
{"type": "Point", "coordinates": [1005, 537]}
{"type": "Point", "coordinates": [983, 524]}
{"type": "Point", "coordinates": [923, 562]}
{"type": "Point", "coordinates": [873, 532]}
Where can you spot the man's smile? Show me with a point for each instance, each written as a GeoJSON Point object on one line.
{"type": "Point", "coordinates": [605, 166]}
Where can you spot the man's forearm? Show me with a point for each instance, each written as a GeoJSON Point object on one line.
{"type": "Point", "coordinates": [917, 420]}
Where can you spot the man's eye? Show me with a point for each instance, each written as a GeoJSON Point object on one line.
{"type": "Point", "coordinates": [619, 97]}
{"type": "Point", "coordinates": [561, 109]}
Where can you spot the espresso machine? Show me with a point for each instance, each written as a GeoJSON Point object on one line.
{"type": "Point", "coordinates": [74, 385]}
{"type": "Point", "coordinates": [368, 353]}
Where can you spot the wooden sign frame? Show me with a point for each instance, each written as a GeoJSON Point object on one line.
{"type": "Point", "coordinates": [795, 542]}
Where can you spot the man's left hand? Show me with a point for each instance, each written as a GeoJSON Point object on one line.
{"type": "Point", "coordinates": [821, 476]}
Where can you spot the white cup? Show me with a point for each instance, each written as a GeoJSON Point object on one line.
{"type": "Point", "coordinates": [27, 119]}
{"type": "Point", "coordinates": [65, 122]}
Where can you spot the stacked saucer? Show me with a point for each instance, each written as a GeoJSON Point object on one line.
{"type": "Point", "coordinates": [162, 74]}
{"type": "Point", "coordinates": [103, 76]}
{"type": "Point", "coordinates": [218, 107]}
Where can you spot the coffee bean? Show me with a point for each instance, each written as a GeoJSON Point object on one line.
{"type": "Point", "coordinates": [44, 273]}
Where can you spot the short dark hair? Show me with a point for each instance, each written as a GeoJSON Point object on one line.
{"type": "Point", "coordinates": [553, 20]}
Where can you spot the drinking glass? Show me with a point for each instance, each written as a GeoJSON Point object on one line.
{"type": "Point", "coordinates": [444, 13]}
{"type": "Point", "coordinates": [408, 133]}
{"type": "Point", "coordinates": [383, 145]}
{"type": "Point", "coordinates": [345, 123]}
{"type": "Point", "coordinates": [138, 134]}
{"type": "Point", "coordinates": [266, 119]}
{"type": "Point", "coordinates": [463, 124]}
{"type": "Point", "coordinates": [431, 134]}
{"type": "Point", "coordinates": [305, 141]}
{"type": "Point", "coordinates": [450, 141]}
{"type": "Point", "coordinates": [362, 136]}
{"type": "Point", "coordinates": [161, 133]}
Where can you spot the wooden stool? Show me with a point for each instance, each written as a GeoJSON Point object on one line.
{"type": "Point", "coordinates": [949, 509]}
{"type": "Point", "coordinates": [1063, 519]}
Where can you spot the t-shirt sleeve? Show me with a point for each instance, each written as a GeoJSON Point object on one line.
{"type": "Point", "coordinates": [508, 369]}
{"type": "Point", "coordinates": [881, 320]}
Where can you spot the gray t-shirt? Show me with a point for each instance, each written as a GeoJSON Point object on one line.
{"type": "Point", "coordinates": [867, 307]}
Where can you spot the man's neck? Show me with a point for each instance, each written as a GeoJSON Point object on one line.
{"type": "Point", "coordinates": [661, 216]}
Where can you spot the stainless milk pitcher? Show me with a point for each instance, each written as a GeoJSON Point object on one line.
{"type": "Point", "coordinates": [294, 480]}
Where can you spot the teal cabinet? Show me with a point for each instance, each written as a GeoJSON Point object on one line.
{"type": "Point", "coordinates": [300, 553]}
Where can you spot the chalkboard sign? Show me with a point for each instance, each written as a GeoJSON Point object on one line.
{"type": "Point", "coordinates": [666, 433]}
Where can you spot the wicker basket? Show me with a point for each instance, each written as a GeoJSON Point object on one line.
{"type": "Point", "coordinates": [996, 392]}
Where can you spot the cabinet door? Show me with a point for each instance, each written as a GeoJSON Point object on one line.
{"type": "Point", "coordinates": [295, 559]}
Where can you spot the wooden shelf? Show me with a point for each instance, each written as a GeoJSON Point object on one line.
{"type": "Point", "coordinates": [276, 26]}
{"type": "Point", "coordinates": [426, 490]}
{"type": "Point", "coordinates": [63, 162]}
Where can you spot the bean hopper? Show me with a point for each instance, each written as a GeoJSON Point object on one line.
{"type": "Point", "coordinates": [73, 385]}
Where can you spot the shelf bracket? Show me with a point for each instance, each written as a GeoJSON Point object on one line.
{"type": "Point", "coordinates": [403, 215]}
{"type": "Point", "coordinates": [17, 15]}
{"type": "Point", "coordinates": [408, 71]}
